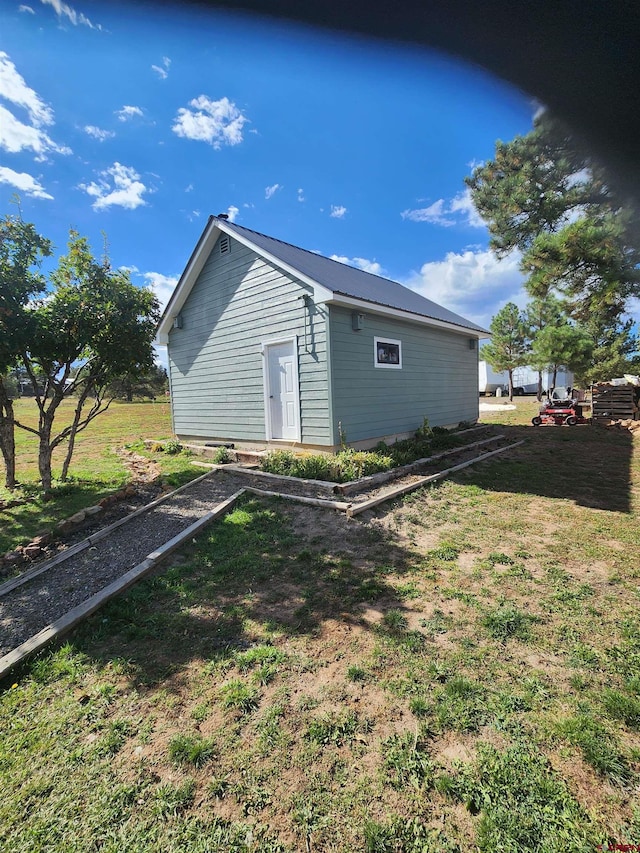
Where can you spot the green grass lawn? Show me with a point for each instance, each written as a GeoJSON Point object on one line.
{"type": "Point", "coordinates": [461, 671]}
{"type": "Point", "coordinates": [96, 469]}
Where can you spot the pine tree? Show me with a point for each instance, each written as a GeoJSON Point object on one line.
{"type": "Point", "coordinates": [545, 196]}
{"type": "Point", "coordinates": [508, 347]}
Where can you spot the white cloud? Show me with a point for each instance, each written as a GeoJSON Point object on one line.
{"type": "Point", "coordinates": [162, 70]}
{"type": "Point", "coordinates": [301, 195]}
{"type": "Point", "coordinates": [189, 188]}
{"type": "Point", "coordinates": [128, 112]}
{"type": "Point", "coordinates": [14, 88]}
{"type": "Point", "coordinates": [27, 184]}
{"type": "Point", "coordinates": [16, 136]}
{"type": "Point", "coordinates": [270, 191]}
{"type": "Point", "coordinates": [62, 10]}
{"type": "Point", "coordinates": [338, 211]}
{"type": "Point", "coordinates": [473, 284]}
{"type": "Point", "coordinates": [232, 212]}
{"type": "Point", "coordinates": [118, 186]}
{"type": "Point", "coordinates": [434, 214]}
{"type": "Point", "coordinates": [216, 122]}
{"type": "Point", "coordinates": [361, 264]}
{"type": "Point", "coordinates": [458, 210]}
{"type": "Point", "coordinates": [162, 285]}
{"type": "Point", "coordinates": [24, 8]}
{"type": "Point", "coordinates": [463, 204]}
{"type": "Point", "coordinates": [98, 133]}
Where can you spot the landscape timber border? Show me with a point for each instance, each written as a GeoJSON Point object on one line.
{"type": "Point", "coordinates": [77, 614]}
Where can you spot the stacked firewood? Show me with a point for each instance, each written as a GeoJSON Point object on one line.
{"type": "Point", "coordinates": [615, 403]}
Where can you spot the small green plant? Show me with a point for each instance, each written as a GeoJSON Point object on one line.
{"type": "Point", "coordinates": [333, 728]}
{"type": "Point", "coordinates": [395, 621]}
{"type": "Point", "coordinates": [113, 739]}
{"type": "Point", "coordinates": [598, 746]}
{"type": "Point", "coordinates": [259, 656]}
{"type": "Point", "coordinates": [218, 787]}
{"type": "Point", "coordinates": [438, 623]}
{"type": "Point", "coordinates": [507, 621]}
{"type": "Point", "coordinates": [342, 434]}
{"type": "Point", "coordinates": [172, 446]}
{"type": "Point", "coordinates": [461, 705]}
{"type": "Point", "coordinates": [239, 696]}
{"type": "Point", "coordinates": [522, 804]}
{"type": "Point", "coordinates": [221, 456]}
{"type": "Point", "coordinates": [424, 431]}
{"type": "Point", "coordinates": [406, 761]}
{"type": "Point", "coordinates": [447, 552]}
{"type": "Point", "coordinates": [357, 673]}
{"type": "Point", "coordinates": [419, 706]}
{"type": "Point", "coordinates": [499, 559]}
{"type": "Point", "coordinates": [172, 800]}
{"type": "Point", "coordinates": [191, 749]}
{"type": "Point", "coordinates": [622, 707]}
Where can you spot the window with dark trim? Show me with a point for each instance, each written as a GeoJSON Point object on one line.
{"type": "Point", "coordinates": [387, 353]}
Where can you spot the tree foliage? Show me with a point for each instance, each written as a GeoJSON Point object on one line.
{"type": "Point", "coordinates": [21, 251]}
{"type": "Point", "coordinates": [545, 196]}
{"type": "Point", "coordinates": [85, 326]}
{"type": "Point", "coordinates": [148, 385]}
{"type": "Point", "coordinates": [508, 348]}
{"type": "Point", "coordinates": [562, 345]}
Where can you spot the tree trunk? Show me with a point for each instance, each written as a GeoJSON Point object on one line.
{"type": "Point", "coordinates": [72, 435]}
{"type": "Point", "coordinates": [45, 452]}
{"type": "Point", "coordinates": [539, 395]}
{"type": "Point", "coordinates": [511, 386]}
{"type": "Point", "coordinates": [7, 438]}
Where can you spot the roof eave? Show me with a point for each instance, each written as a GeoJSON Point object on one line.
{"type": "Point", "coordinates": [400, 314]}
{"type": "Point", "coordinates": [186, 282]}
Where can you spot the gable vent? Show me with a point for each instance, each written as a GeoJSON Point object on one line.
{"type": "Point", "coordinates": [225, 245]}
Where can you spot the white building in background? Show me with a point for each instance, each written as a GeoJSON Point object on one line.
{"type": "Point", "coordinates": [525, 380]}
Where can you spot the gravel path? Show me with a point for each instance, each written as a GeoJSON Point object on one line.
{"type": "Point", "coordinates": [34, 605]}
{"type": "Point", "coordinates": [38, 602]}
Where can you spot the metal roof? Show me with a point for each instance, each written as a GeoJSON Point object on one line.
{"type": "Point", "coordinates": [348, 281]}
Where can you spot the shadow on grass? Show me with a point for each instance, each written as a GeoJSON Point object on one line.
{"type": "Point", "coordinates": [249, 568]}
{"type": "Point", "coordinates": [591, 466]}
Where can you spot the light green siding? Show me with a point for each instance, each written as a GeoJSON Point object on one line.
{"type": "Point", "coordinates": [438, 378]}
{"type": "Point", "coordinates": [216, 364]}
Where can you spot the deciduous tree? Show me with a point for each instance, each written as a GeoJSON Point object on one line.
{"type": "Point", "coordinates": [73, 335]}
{"type": "Point", "coordinates": [21, 251]}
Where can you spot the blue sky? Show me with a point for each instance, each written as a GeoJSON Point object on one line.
{"type": "Point", "coordinates": [120, 121]}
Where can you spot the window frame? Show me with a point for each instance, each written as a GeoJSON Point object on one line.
{"type": "Point", "coordinates": [382, 364]}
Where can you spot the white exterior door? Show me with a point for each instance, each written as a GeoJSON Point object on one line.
{"type": "Point", "coordinates": [282, 403]}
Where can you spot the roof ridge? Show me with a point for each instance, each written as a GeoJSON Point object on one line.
{"type": "Point", "coordinates": [313, 254]}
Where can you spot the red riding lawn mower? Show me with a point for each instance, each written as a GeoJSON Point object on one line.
{"type": "Point", "coordinates": [560, 409]}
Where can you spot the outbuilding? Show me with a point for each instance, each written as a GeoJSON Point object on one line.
{"type": "Point", "coordinates": [273, 345]}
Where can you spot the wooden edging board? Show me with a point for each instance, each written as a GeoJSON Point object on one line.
{"type": "Point", "coordinates": [327, 504]}
{"type": "Point", "coordinates": [25, 577]}
{"type": "Point", "coordinates": [355, 509]}
{"type": "Point", "coordinates": [400, 471]}
{"type": "Point", "coordinates": [353, 485]}
{"type": "Point", "coordinates": [82, 611]}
